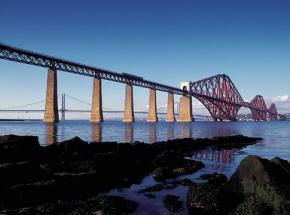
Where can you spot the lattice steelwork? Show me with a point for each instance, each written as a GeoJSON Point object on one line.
{"type": "Point", "coordinates": [258, 108]}
{"type": "Point", "coordinates": [224, 99]}
{"type": "Point", "coordinates": [37, 59]}
{"type": "Point", "coordinates": [217, 93]}
{"type": "Point", "coordinates": [273, 115]}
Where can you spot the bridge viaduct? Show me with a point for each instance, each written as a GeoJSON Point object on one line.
{"type": "Point", "coordinates": [217, 93]}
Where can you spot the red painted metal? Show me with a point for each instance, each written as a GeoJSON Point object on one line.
{"type": "Point", "coordinates": [258, 108]}
{"type": "Point", "coordinates": [217, 93]}
{"type": "Point", "coordinates": [222, 100]}
{"type": "Point", "coordinates": [273, 114]}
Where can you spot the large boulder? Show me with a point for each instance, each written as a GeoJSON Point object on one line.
{"type": "Point", "coordinates": [267, 181]}
{"type": "Point", "coordinates": [18, 148]}
{"type": "Point", "coordinates": [74, 149]}
{"type": "Point", "coordinates": [73, 146]}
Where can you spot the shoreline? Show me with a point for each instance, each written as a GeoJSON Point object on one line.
{"type": "Point", "coordinates": [35, 175]}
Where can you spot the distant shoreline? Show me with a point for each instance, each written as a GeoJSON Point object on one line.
{"type": "Point", "coordinates": [18, 120]}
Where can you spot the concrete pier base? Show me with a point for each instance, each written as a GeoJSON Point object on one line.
{"type": "Point", "coordinates": [170, 117]}
{"type": "Point", "coordinates": [97, 110]}
{"type": "Point", "coordinates": [185, 109]}
{"type": "Point", "coordinates": [152, 114]}
{"type": "Point", "coordinates": [129, 107]}
{"type": "Point", "coordinates": [51, 106]}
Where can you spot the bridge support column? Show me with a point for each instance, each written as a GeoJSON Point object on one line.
{"type": "Point", "coordinates": [185, 109]}
{"type": "Point", "coordinates": [170, 108]}
{"type": "Point", "coordinates": [97, 110]}
{"type": "Point", "coordinates": [51, 106]}
{"type": "Point", "coordinates": [152, 114]}
{"type": "Point", "coordinates": [129, 107]}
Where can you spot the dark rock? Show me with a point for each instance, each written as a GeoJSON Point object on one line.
{"type": "Point", "coordinates": [172, 164]}
{"type": "Point", "coordinates": [214, 178]}
{"type": "Point", "coordinates": [208, 199]}
{"type": "Point", "coordinates": [166, 186]}
{"type": "Point", "coordinates": [157, 187]}
{"type": "Point", "coordinates": [18, 148]}
{"type": "Point", "coordinates": [29, 194]}
{"type": "Point", "coordinates": [268, 181]}
{"type": "Point", "coordinates": [284, 165]}
{"type": "Point", "coordinates": [74, 149]}
{"type": "Point", "coordinates": [252, 206]}
{"type": "Point", "coordinates": [71, 167]}
{"type": "Point", "coordinates": [19, 173]}
{"type": "Point", "coordinates": [62, 185]}
{"type": "Point", "coordinates": [169, 159]}
{"type": "Point", "coordinates": [116, 205]}
{"type": "Point", "coordinates": [106, 205]}
{"type": "Point", "coordinates": [172, 203]}
{"type": "Point", "coordinates": [74, 169]}
{"type": "Point", "coordinates": [236, 141]}
{"type": "Point", "coordinates": [184, 182]}
{"type": "Point", "coordinates": [77, 184]}
{"type": "Point", "coordinates": [149, 195]}
{"type": "Point", "coordinates": [254, 171]}
{"type": "Point", "coordinates": [97, 147]}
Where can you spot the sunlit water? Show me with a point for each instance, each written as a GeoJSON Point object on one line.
{"type": "Point", "coordinates": [276, 142]}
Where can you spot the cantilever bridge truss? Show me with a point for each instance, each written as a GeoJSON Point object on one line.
{"type": "Point", "coordinates": [222, 99]}
{"type": "Point", "coordinates": [217, 93]}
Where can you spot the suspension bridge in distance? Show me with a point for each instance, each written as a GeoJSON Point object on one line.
{"type": "Point", "coordinates": [63, 110]}
{"type": "Point", "coordinates": [217, 93]}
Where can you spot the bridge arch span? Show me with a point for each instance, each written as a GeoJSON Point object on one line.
{"type": "Point", "coordinates": [273, 114]}
{"type": "Point", "coordinates": [258, 108]}
{"type": "Point", "coordinates": [219, 95]}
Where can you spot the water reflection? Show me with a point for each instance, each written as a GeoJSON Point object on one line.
{"type": "Point", "coordinates": [51, 132]}
{"type": "Point", "coordinates": [217, 156]}
{"type": "Point", "coordinates": [96, 132]}
{"type": "Point", "coordinates": [152, 133]}
{"type": "Point", "coordinates": [128, 133]}
{"type": "Point", "coordinates": [218, 160]}
{"type": "Point", "coordinates": [185, 130]}
{"type": "Point", "coordinates": [170, 131]}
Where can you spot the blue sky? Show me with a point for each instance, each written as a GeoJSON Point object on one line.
{"type": "Point", "coordinates": [165, 41]}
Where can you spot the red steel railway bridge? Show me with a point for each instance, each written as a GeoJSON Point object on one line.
{"type": "Point", "coordinates": [217, 93]}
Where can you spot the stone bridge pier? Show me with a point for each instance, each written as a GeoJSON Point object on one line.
{"type": "Point", "coordinates": [185, 104]}
{"type": "Point", "coordinates": [51, 106]}
{"type": "Point", "coordinates": [170, 117]}
{"type": "Point", "coordinates": [152, 114]}
{"type": "Point", "coordinates": [129, 106]}
{"type": "Point", "coordinates": [97, 109]}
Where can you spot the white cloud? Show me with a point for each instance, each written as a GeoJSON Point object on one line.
{"type": "Point", "coordinates": [284, 98]}
{"type": "Point", "coordinates": [282, 103]}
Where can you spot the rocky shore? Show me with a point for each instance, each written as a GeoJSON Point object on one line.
{"type": "Point", "coordinates": [69, 177]}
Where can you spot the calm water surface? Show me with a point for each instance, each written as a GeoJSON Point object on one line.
{"type": "Point", "coordinates": [276, 142]}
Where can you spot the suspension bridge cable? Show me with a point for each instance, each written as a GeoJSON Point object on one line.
{"type": "Point", "coordinates": [87, 103]}
{"type": "Point", "coordinates": [79, 100]}
{"type": "Point", "coordinates": [20, 106]}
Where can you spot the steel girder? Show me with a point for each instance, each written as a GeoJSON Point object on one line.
{"type": "Point", "coordinates": [273, 115]}
{"type": "Point", "coordinates": [217, 93]}
{"type": "Point", "coordinates": [259, 108]}
{"type": "Point", "coordinates": [37, 59]}
{"type": "Point", "coordinates": [224, 100]}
